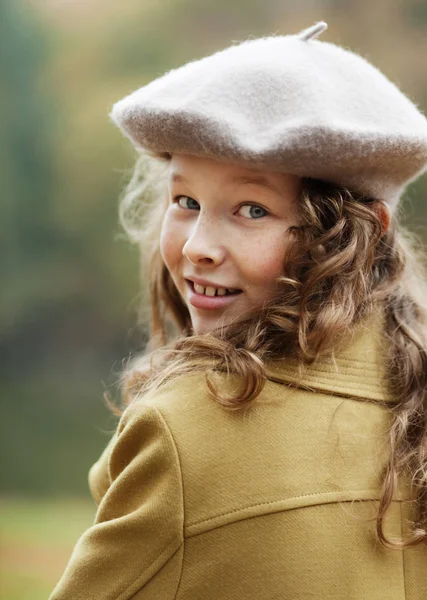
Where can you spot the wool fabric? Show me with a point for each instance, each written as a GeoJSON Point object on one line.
{"type": "Point", "coordinates": [290, 104]}
{"type": "Point", "coordinates": [200, 503]}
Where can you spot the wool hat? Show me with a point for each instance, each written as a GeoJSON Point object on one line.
{"type": "Point", "coordinates": [291, 104]}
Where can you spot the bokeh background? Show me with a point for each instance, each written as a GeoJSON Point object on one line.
{"type": "Point", "coordinates": [69, 279]}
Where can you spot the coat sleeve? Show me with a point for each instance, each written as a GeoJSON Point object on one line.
{"type": "Point", "coordinates": [140, 519]}
{"type": "Point", "coordinates": [99, 474]}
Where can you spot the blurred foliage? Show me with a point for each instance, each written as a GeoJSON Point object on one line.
{"type": "Point", "coordinates": [70, 288]}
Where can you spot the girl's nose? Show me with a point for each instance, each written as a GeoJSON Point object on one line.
{"type": "Point", "coordinates": [204, 245]}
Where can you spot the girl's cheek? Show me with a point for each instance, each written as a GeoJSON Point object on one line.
{"type": "Point", "coordinates": [166, 241]}
{"type": "Point", "coordinates": [172, 240]}
{"type": "Point", "coordinates": [265, 259]}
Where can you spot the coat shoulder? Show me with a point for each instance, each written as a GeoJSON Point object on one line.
{"type": "Point", "coordinates": [320, 448]}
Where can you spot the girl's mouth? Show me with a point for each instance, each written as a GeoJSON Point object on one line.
{"type": "Point", "coordinates": [210, 297]}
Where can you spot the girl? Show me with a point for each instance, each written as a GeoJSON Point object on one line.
{"type": "Point", "coordinates": [274, 444]}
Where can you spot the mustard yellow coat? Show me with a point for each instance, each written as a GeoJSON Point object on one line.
{"type": "Point", "coordinates": [197, 503]}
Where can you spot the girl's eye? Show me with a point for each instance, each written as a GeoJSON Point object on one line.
{"type": "Point", "coordinates": [187, 202]}
{"type": "Point", "coordinates": [252, 211]}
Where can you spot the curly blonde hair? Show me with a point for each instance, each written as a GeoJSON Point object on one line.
{"type": "Point", "coordinates": [339, 266]}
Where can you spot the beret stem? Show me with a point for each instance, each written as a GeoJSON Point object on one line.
{"type": "Point", "coordinates": [312, 32]}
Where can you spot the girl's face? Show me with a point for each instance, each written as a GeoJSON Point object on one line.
{"type": "Point", "coordinates": [224, 236]}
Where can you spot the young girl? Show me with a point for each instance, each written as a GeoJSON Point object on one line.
{"type": "Point", "coordinates": [274, 444]}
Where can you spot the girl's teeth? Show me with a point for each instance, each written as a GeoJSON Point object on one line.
{"type": "Point", "coordinates": [211, 291]}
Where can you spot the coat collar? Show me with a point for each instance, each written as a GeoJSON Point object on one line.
{"type": "Point", "coordinates": [358, 367]}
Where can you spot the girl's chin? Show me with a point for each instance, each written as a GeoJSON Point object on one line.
{"type": "Point", "coordinates": [206, 321]}
{"type": "Point", "coordinates": [202, 325]}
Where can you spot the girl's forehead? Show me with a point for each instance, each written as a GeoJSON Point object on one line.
{"type": "Point", "coordinates": [185, 168]}
{"type": "Point", "coordinates": [188, 162]}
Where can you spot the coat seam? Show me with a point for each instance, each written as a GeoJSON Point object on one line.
{"type": "Point", "coordinates": [182, 496]}
{"type": "Point", "coordinates": [403, 553]}
{"type": "Point", "coordinates": [349, 385]}
{"type": "Point", "coordinates": [284, 510]}
{"type": "Point", "coordinates": [230, 512]}
{"type": "Point", "coordinates": [373, 496]}
{"type": "Point", "coordinates": [124, 595]}
{"type": "Point", "coordinates": [296, 384]}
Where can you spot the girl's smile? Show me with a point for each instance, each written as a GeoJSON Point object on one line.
{"type": "Point", "coordinates": [224, 236]}
{"type": "Point", "coordinates": [203, 294]}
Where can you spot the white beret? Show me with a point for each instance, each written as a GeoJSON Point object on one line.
{"type": "Point", "coordinates": [291, 104]}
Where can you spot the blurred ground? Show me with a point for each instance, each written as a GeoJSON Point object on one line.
{"type": "Point", "coordinates": [37, 538]}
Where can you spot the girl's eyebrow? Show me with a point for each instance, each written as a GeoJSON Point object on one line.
{"type": "Point", "coordinates": [259, 180]}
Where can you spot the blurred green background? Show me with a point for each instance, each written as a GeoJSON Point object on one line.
{"type": "Point", "coordinates": [69, 279]}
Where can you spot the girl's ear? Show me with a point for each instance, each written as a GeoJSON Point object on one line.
{"type": "Point", "coordinates": [383, 213]}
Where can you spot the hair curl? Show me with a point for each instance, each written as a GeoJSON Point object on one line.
{"type": "Point", "coordinates": [338, 267]}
